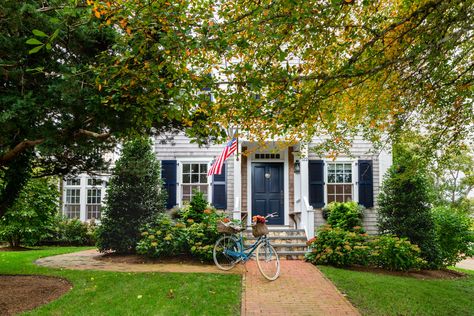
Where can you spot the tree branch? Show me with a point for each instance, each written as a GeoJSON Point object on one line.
{"type": "Point", "coordinates": [92, 134]}
{"type": "Point", "coordinates": [18, 149]}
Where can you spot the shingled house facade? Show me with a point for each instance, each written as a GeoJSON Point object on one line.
{"type": "Point", "coordinates": [291, 181]}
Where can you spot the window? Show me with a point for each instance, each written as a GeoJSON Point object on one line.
{"type": "Point", "coordinates": [72, 207]}
{"type": "Point", "coordinates": [93, 205]}
{"type": "Point", "coordinates": [339, 182]}
{"type": "Point", "coordinates": [194, 177]}
{"type": "Point", "coordinates": [73, 181]}
{"type": "Point", "coordinates": [94, 182]}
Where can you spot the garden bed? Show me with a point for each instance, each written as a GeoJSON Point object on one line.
{"type": "Point", "coordinates": [19, 293]}
{"type": "Point", "coordinates": [421, 274]}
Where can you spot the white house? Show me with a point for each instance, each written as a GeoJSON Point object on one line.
{"type": "Point", "coordinates": [291, 181]}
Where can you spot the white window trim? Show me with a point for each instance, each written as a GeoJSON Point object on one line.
{"type": "Point", "coordinates": [355, 177]}
{"type": "Point", "coordinates": [179, 178]}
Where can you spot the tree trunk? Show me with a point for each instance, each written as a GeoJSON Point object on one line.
{"type": "Point", "coordinates": [14, 178]}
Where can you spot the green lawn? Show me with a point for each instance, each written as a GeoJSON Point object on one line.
{"type": "Point", "coordinates": [115, 293]}
{"type": "Point", "coordinates": [376, 294]}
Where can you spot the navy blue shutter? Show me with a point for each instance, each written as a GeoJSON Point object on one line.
{"type": "Point", "coordinates": [169, 176]}
{"type": "Point", "coordinates": [316, 183]}
{"type": "Point", "coordinates": [219, 190]}
{"type": "Point", "coordinates": [366, 183]}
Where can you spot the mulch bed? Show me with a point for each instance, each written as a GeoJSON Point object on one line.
{"type": "Point", "coordinates": [422, 274]}
{"type": "Point", "coordinates": [138, 259]}
{"type": "Point", "coordinates": [19, 293]}
{"type": "Point", "coordinates": [15, 249]}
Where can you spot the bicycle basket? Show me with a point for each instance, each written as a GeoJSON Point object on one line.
{"type": "Point", "coordinates": [224, 229]}
{"type": "Point", "coordinates": [259, 229]}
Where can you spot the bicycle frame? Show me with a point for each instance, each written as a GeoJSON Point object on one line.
{"type": "Point", "coordinates": [243, 255]}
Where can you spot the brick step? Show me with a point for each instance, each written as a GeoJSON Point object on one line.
{"type": "Point", "coordinates": [281, 240]}
{"type": "Point", "coordinates": [291, 255]}
{"type": "Point", "coordinates": [279, 245]}
{"type": "Point", "coordinates": [279, 233]}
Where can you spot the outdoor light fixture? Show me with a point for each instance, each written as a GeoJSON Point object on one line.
{"type": "Point", "coordinates": [297, 166]}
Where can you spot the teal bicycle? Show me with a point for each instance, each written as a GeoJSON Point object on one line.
{"type": "Point", "coordinates": [230, 249]}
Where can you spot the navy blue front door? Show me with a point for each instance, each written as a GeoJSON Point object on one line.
{"type": "Point", "coordinates": [267, 191]}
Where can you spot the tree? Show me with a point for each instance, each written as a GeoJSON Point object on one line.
{"type": "Point", "coordinates": [53, 115]}
{"type": "Point", "coordinates": [134, 195]}
{"type": "Point", "coordinates": [405, 205]}
{"type": "Point", "coordinates": [339, 68]}
{"type": "Point", "coordinates": [454, 174]}
{"type": "Point", "coordinates": [32, 216]}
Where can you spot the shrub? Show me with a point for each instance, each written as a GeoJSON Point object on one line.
{"type": "Point", "coordinates": [338, 247]}
{"type": "Point", "coordinates": [31, 217]}
{"type": "Point", "coordinates": [162, 237]}
{"type": "Point", "coordinates": [404, 208]}
{"type": "Point", "coordinates": [454, 235]}
{"type": "Point", "coordinates": [202, 236]}
{"type": "Point", "coordinates": [196, 208]}
{"type": "Point", "coordinates": [393, 253]}
{"type": "Point", "coordinates": [134, 196]}
{"type": "Point", "coordinates": [72, 232]}
{"type": "Point", "coordinates": [345, 215]}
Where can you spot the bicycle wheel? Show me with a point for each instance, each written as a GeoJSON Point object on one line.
{"type": "Point", "coordinates": [223, 250]}
{"type": "Point", "coordinates": [268, 261]}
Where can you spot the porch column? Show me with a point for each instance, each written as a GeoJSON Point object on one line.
{"type": "Point", "coordinates": [307, 213]}
{"type": "Point", "coordinates": [237, 207]}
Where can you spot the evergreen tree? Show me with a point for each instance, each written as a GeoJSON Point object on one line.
{"type": "Point", "coordinates": [134, 195]}
{"type": "Point", "coordinates": [404, 206]}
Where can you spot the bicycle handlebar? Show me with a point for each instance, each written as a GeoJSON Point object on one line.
{"type": "Point", "coordinates": [271, 215]}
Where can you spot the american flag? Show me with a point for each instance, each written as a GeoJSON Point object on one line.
{"type": "Point", "coordinates": [229, 149]}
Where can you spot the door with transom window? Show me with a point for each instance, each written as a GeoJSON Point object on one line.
{"type": "Point", "coordinates": [267, 191]}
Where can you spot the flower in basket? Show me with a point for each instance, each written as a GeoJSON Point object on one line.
{"type": "Point", "coordinates": [259, 219]}
{"type": "Point", "coordinates": [226, 220]}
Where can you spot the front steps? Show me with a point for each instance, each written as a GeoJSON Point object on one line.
{"type": "Point", "coordinates": [289, 243]}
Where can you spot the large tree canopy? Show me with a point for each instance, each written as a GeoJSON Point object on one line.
{"type": "Point", "coordinates": [52, 114]}
{"type": "Point", "coordinates": [300, 68]}
{"type": "Point", "coordinates": [78, 75]}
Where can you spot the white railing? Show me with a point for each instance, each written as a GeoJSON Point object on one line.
{"type": "Point", "coordinates": [307, 218]}
{"type": "Point", "coordinates": [237, 211]}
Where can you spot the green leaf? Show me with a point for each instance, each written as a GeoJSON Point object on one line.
{"type": "Point", "coordinates": [35, 49]}
{"type": "Point", "coordinates": [54, 20]}
{"type": "Point", "coordinates": [33, 41]}
{"type": "Point", "coordinates": [55, 34]}
{"type": "Point", "coordinates": [48, 46]}
{"type": "Point", "coordinates": [39, 33]}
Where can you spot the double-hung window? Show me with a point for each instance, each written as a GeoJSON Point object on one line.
{"type": "Point", "coordinates": [339, 182]}
{"type": "Point", "coordinates": [194, 178]}
{"type": "Point", "coordinates": [72, 207]}
{"type": "Point", "coordinates": [93, 206]}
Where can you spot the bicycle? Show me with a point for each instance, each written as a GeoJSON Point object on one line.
{"type": "Point", "coordinates": [230, 250]}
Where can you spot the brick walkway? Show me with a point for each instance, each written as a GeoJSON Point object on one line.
{"type": "Point", "coordinates": [301, 289]}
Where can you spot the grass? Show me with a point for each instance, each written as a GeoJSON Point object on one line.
{"type": "Point", "coordinates": [118, 293]}
{"type": "Point", "coordinates": [377, 294]}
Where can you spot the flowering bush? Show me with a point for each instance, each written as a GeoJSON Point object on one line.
{"type": "Point", "coordinates": [335, 246]}
{"type": "Point", "coordinates": [162, 237]}
{"type": "Point", "coordinates": [338, 247]}
{"type": "Point", "coordinates": [166, 237]}
{"type": "Point", "coordinates": [393, 253]}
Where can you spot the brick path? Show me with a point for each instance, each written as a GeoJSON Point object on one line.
{"type": "Point", "coordinates": [301, 289]}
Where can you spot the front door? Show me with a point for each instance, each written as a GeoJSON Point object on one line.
{"type": "Point", "coordinates": [267, 191]}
